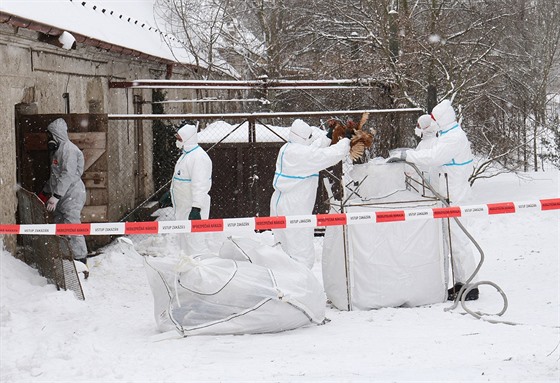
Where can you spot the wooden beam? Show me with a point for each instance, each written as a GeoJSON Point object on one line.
{"type": "Point", "coordinates": [94, 214]}
{"type": "Point", "coordinates": [92, 140]}
{"type": "Point", "coordinates": [91, 156]}
{"type": "Point", "coordinates": [89, 140]}
{"type": "Point", "coordinates": [95, 180]}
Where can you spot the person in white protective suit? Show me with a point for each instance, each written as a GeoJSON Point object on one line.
{"type": "Point", "coordinates": [428, 135]}
{"type": "Point", "coordinates": [426, 131]}
{"type": "Point", "coordinates": [295, 184]}
{"type": "Point", "coordinates": [452, 152]}
{"type": "Point", "coordinates": [191, 183]}
{"type": "Point", "coordinates": [65, 190]}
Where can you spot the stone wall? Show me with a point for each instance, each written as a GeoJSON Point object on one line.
{"type": "Point", "coordinates": [46, 79]}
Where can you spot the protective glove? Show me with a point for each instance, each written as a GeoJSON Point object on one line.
{"type": "Point", "coordinates": [194, 214]}
{"type": "Point", "coordinates": [43, 196]}
{"type": "Point", "coordinates": [330, 132]}
{"type": "Point", "coordinates": [165, 200]}
{"type": "Point", "coordinates": [51, 203]}
{"type": "Point", "coordinates": [400, 158]}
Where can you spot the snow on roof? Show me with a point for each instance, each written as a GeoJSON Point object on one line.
{"type": "Point", "coordinates": [108, 21]}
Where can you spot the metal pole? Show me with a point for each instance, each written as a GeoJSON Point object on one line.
{"type": "Point", "coordinates": [449, 234]}
{"type": "Point", "coordinates": [347, 262]}
{"type": "Point", "coordinates": [252, 130]}
{"type": "Point", "coordinates": [250, 84]}
{"type": "Point", "coordinates": [264, 115]}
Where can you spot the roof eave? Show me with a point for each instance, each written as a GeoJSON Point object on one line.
{"type": "Point", "coordinates": [20, 22]}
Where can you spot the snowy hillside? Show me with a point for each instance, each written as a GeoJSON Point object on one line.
{"type": "Point", "coordinates": [47, 335]}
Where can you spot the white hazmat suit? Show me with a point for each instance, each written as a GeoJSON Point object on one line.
{"type": "Point", "coordinates": [65, 184]}
{"type": "Point", "coordinates": [427, 133]}
{"type": "Point", "coordinates": [452, 152]}
{"type": "Point", "coordinates": [191, 183]}
{"type": "Point", "coordinates": [295, 184]}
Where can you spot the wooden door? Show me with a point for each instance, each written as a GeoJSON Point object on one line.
{"type": "Point", "coordinates": [89, 133]}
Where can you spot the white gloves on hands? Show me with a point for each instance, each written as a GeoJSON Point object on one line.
{"type": "Point", "coordinates": [403, 154]}
{"type": "Point", "coordinates": [401, 157]}
{"type": "Point", "coordinates": [51, 203]}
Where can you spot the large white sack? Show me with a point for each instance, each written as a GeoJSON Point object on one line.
{"type": "Point", "coordinates": [391, 264]}
{"type": "Point", "coordinates": [378, 179]}
{"type": "Point", "coordinates": [233, 293]}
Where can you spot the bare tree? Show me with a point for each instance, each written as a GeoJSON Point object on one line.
{"type": "Point", "coordinates": [199, 26]}
{"type": "Point", "coordinates": [495, 58]}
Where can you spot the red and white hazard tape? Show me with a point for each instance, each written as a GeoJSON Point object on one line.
{"type": "Point", "coordinates": [282, 222]}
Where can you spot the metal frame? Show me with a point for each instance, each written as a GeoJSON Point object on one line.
{"type": "Point", "coordinates": [263, 83]}
{"type": "Point", "coordinates": [341, 205]}
{"type": "Point", "coordinates": [248, 116]}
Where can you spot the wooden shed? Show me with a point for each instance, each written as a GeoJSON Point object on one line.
{"type": "Point", "coordinates": [41, 80]}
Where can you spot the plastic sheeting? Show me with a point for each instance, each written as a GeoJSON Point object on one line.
{"type": "Point", "coordinates": [390, 264]}
{"type": "Point", "coordinates": [248, 288]}
{"type": "Point", "coordinates": [378, 180]}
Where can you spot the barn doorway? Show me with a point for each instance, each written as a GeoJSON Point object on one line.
{"type": "Point", "coordinates": [89, 133]}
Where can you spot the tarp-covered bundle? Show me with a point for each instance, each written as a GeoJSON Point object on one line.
{"type": "Point", "coordinates": [248, 288]}
{"type": "Point", "coordinates": [390, 264]}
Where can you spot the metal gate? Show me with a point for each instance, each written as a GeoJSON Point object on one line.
{"type": "Point", "coordinates": [242, 179]}
{"type": "Point", "coordinates": [243, 158]}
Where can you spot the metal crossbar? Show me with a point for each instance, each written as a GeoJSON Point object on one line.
{"type": "Point", "coordinates": [261, 115]}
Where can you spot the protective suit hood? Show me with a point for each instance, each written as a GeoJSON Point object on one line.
{"type": "Point", "coordinates": [300, 132]}
{"type": "Point", "coordinates": [189, 135]}
{"type": "Point", "coordinates": [424, 121]}
{"type": "Point", "coordinates": [443, 115]}
{"type": "Point", "coordinates": [425, 126]}
{"type": "Point", "coordinates": [59, 130]}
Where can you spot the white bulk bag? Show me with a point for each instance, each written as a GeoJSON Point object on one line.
{"type": "Point", "coordinates": [248, 288]}
{"type": "Point", "coordinates": [390, 264]}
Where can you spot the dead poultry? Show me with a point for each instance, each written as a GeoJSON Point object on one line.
{"type": "Point", "coordinates": [360, 141]}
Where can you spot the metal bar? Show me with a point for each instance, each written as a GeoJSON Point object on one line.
{"type": "Point", "coordinates": [374, 204]}
{"type": "Point", "coordinates": [272, 131]}
{"type": "Point", "coordinates": [250, 84]}
{"type": "Point", "coordinates": [252, 130]}
{"type": "Point", "coordinates": [255, 115]}
{"type": "Point", "coordinates": [348, 273]}
{"type": "Point", "coordinates": [239, 87]}
{"type": "Point", "coordinates": [207, 100]}
{"type": "Point", "coordinates": [226, 136]}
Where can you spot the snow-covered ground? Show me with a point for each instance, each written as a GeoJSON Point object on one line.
{"type": "Point", "coordinates": [48, 335]}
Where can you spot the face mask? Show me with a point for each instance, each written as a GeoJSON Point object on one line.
{"type": "Point", "coordinates": [52, 145]}
{"type": "Point", "coordinates": [418, 132]}
{"type": "Point", "coordinates": [179, 144]}
{"type": "Point", "coordinates": [436, 125]}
